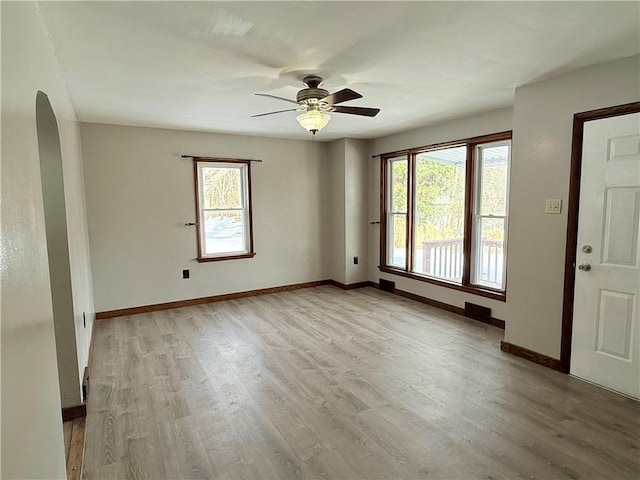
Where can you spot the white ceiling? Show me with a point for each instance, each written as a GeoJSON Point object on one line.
{"type": "Point", "coordinates": [196, 65]}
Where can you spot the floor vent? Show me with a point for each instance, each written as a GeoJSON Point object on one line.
{"type": "Point", "coordinates": [477, 312]}
{"type": "Point", "coordinates": [387, 285]}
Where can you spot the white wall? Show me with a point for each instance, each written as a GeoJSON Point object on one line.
{"type": "Point", "coordinates": [542, 128]}
{"type": "Point", "coordinates": [467, 127]}
{"type": "Point", "coordinates": [347, 216]}
{"type": "Point", "coordinates": [140, 192]}
{"type": "Point", "coordinates": [335, 217]}
{"type": "Point", "coordinates": [355, 196]}
{"type": "Point", "coordinates": [32, 440]}
{"type": "Point", "coordinates": [55, 219]}
{"type": "Point", "coordinates": [79, 255]}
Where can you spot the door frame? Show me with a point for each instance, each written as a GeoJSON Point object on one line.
{"type": "Point", "coordinates": [572, 219]}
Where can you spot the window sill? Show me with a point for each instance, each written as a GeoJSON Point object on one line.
{"type": "Point", "coordinates": [225, 257]}
{"type": "Point", "coordinates": [495, 295]}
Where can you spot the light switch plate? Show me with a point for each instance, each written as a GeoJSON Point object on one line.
{"type": "Point", "coordinates": [553, 205]}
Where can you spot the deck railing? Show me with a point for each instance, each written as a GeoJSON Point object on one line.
{"type": "Point", "coordinates": [444, 259]}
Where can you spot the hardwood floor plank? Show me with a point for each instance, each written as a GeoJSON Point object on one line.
{"type": "Point", "coordinates": [335, 384]}
{"type": "Point", "coordinates": [67, 428]}
{"type": "Point", "coordinates": [76, 449]}
{"type": "Point", "coordinates": [182, 451]}
{"type": "Point", "coordinates": [108, 472]}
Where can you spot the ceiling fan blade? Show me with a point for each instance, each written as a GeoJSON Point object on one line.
{"type": "Point", "coordinates": [279, 98]}
{"type": "Point", "coordinates": [343, 95]}
{"type": "Point", "coordinates": [365, 112]}
{"type": "Point", "coordinates": [271, 113]}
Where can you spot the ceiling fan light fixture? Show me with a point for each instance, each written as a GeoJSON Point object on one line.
{"type": "Point", "coordinates": [315, 102]}
{"type": "Point", "coordinates": [313, 120]}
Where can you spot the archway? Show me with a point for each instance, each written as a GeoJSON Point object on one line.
{"type": "Point", "coordinates": [58, 251]}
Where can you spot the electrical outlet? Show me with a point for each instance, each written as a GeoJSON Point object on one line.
{"type": "Point", "coordinates": [185, 273]}
{"type": "Point", "coordinates": [355, 260]}
{"type": "Point", "coordinates": [553, 205]}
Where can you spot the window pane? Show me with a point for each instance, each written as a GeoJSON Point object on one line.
{"type": "Point", "coordinates": [439, 213]}
{"type": "Point", "coordinates": [222, 187]}
{"type": "Point", "coordinates": [489, 268]}
{"type": "Point", "coordinates": [494, 177]}
{"type": "Point", "coordinates": [397, 240]}
{"type": "Point", "coordinates": [223, 232]}
{"type": "Point", "coordinates": [398, 185]}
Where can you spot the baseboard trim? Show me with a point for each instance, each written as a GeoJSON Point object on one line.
{"type": "Point", "coordinates": [496, 322]}
{"type": "Point", "coordinates": [202, 300]}
{"type": "Point", "coordinates": [263, 291]}
{"type": "Point", "coordinates": [71, 413]}
{"type": "Point", "coordinates": [430, 302]}
{"type": "Point", "coordinates": [351, 286]}
{"type": "Point", "coordinates": [532, 356]}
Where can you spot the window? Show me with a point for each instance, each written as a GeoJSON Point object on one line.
{"type": "Point", "coordinates": [397, 216]}
{"type": "Point", "coordinates": [490, 214]}
{"type": "Point", "coordinates": [445, 214]}
{"type": "Point", "coordinates": [223, 193]}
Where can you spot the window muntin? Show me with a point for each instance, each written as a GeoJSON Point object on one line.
{"type": "Point", "coordinates": [224, 209]}
{"type": "Point", "coordinates": [456, 217]}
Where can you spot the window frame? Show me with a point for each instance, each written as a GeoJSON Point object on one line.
{"type": "Point", "coordinates": [247, 210]}
{"type": "Point", "coordinates": [478, 216]}
{"type": "Point", "coordinates": [393, 214]}
{"type": "Point", "coordinates": [471, 189]}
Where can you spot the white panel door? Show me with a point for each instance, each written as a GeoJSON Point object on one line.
{"type": "Point", "coordinates": [605, 340]}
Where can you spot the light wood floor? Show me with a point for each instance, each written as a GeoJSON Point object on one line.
{"type": "Point", "coordinates": [74, 446]}
{"type": "Point", "coordinates": [325, 383]}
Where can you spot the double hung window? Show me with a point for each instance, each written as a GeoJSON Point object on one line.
{"type": "Point", "coordinates": [444, 216]}
{"type": "Point", "coordinates": [223, 201]}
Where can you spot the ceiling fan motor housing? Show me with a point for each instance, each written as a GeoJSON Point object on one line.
{"type": "Point", "coordinates": [311, 95]}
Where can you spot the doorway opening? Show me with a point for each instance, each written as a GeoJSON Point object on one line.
{"type": "Point", "coordinates": [58, 251]}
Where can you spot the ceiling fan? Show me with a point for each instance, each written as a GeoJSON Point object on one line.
{"type": "Point", "coordinates": [316, 104]}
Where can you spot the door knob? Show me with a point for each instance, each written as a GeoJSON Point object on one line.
{"type": "Point", "coordinates": [585, 267]}
{"type": "Point", "coordinates": [587, 248]}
